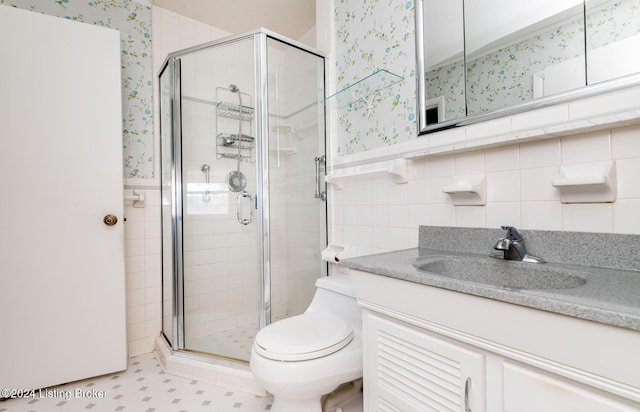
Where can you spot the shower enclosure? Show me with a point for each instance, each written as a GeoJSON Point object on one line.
{"type": "Point", "coordinates": [243, 207]}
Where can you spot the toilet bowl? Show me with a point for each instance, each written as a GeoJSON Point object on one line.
{"type": "Point", "coordinates": [302, 358]}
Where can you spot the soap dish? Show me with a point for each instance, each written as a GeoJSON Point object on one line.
{"type": "Point", "coordinates": [467, 190]}
{"type": "Point", "coordinates": [587, 183]}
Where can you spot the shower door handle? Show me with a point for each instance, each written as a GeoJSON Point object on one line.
{"type": "Point", "coordinates": [320, 194]}
{"type": "Point", "coordinates": [242, 195]}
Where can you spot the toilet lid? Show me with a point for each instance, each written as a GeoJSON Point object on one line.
{"type": "Point", "coordinates": [303, 337]}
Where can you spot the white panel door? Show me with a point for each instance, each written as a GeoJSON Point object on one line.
{"type": "Point", "coordinates": [62, 294]}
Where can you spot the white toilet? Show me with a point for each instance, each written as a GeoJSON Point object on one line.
{"type": "Point", "coordinates": [302, 358]}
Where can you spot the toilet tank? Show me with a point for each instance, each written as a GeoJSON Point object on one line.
{"type": "Point", "coordinates": [335, 294]}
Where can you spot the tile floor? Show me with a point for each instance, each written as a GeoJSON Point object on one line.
{"type": "Point", "coordinates": [143, 387]}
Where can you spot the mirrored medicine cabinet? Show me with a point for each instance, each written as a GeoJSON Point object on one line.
{"type": "Point", "coordinates": [483, 59]}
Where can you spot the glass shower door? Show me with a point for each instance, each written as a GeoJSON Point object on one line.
{"type": "Point", "coordinates": [297, 215]}
{"type": "Point", "coordinates": [219, 233]}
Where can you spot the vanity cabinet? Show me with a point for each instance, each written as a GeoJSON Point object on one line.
{"type": "Point", "coordinates": [430, 349]}
{"type": "Point", "coordinates": [409, 369]}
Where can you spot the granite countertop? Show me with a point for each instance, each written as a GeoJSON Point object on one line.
{"type": "Point", "coordinates": [609, 296]}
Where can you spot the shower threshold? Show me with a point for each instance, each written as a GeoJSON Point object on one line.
{"type": "Point", "coordinates": [221, 372]}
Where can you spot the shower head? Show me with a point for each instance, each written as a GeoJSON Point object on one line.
{"type": "Point", "coordinates": [236, 181]}
{"type": "Point", "coordinates": [234, 88]}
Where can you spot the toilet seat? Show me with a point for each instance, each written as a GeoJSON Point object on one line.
{"type": "Point", "coordinates": [303, 337]}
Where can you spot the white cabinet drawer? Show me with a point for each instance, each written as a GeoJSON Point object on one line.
{"type": "Point", "coordinates": [529, 390]}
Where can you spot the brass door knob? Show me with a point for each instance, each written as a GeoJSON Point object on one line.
{"type": "Point", "coordinates": [110, 220]}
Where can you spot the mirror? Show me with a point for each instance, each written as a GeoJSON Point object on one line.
{"type": "Point", "coordinates": [481, 59]}
{"type": "Point", "coordinates": [613, 36]}
{"type": "Point", "coordinates": [444, 79]}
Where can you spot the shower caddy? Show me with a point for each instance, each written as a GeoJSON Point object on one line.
{"type": "Point", "coordinates": [227, 139]}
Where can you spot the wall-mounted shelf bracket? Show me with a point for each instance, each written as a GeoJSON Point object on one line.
{"type": "Point", "coordinates": [587, 183]}
{"type": "Point", "coordinates": [369, 102]}
{"type": "Point", "coordinates": [468, 190]}
{"type": "Point", "coordinates": [397, 169]}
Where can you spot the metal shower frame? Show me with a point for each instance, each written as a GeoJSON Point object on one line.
{"type": "Point", "coordinates": [172, 63]}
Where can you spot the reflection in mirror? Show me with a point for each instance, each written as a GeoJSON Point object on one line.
{"type": "Point", "coordinates": [444, 60]}
{"type": "Point", "coordinates": [518, 50]}
{"type": "Point", "coordinates": [481, 59]}
{"type": "Point", "coordinates": [613, 36]}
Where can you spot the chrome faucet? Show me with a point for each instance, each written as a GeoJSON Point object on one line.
{"type": "Point", "coordinates": [512, 247]}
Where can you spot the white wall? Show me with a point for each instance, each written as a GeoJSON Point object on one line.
{"type": "Point", "coordinates": [376, 214]}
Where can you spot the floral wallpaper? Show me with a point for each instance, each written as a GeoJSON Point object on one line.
{"type": "Point", "coordinates": [133, 19]}
{"type": "Point", "coordinates": [372, 35]}
{"type": "Point", "coordinates": [448, 81]}
{"type": "Point", "coordinates": [613, 21]}
{"type": "Point", "coordinates": [505, 77]}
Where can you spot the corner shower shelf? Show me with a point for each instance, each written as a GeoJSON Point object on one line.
{"type": "Point", "coordinates": [366, 91]}
{"type": "Point", "coordinates": [283, 151]}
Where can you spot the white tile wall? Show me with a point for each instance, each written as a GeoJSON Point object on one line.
{"type": "Point", "coordinates": [588, 147]}
{"type": "Point", "coordinates": [143, 275]}
{"type": "Point", "coordinates": [624, 145]}
{"type": "Point", "coordinates": [625, 216]}
{"type": "Point", "coordinates": [539, 154]}
{"type": "Point", "coordinates": [519, 192]}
